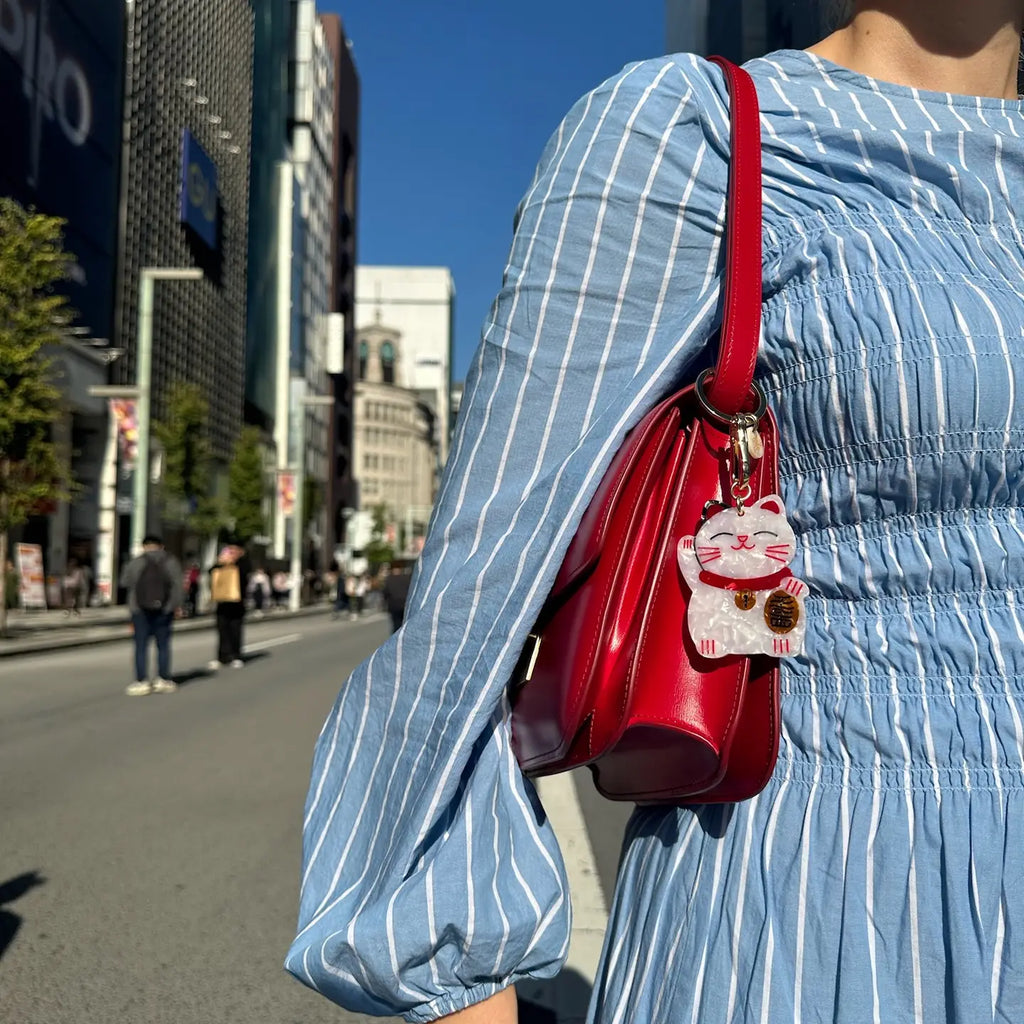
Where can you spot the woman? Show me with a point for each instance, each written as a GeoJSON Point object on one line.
{"type": "Point", "coordinates": [877, 878]}
{"type": "Point", "coordinates": [229, 584]}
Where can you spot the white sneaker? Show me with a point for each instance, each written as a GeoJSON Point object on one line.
{"type": "Point", "coordinates": [138, 689]}
{"type": "Point", "coordinates": [164, 686]}
{"type": "Point", "coordinates": [238, 663]}
{"type": "Point", "coordinates": [214, 665]}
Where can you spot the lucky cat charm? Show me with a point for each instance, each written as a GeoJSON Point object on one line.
{"type": "Point", "coordinates": [744, 599]}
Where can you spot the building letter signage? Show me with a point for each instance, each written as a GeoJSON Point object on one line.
{"type": "Point", "coordinates": [58, 84]}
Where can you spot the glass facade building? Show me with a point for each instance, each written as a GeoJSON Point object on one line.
{"type": "Point", "coordinates": [273, 33]}
{"type": "Point", "coordinates": [60, 93]}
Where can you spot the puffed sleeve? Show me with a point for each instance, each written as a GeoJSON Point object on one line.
{"type": "Point", "coordinates": [431, 878]}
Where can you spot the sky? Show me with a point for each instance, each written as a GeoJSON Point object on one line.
{"type": "Point", "coordinates": [458, 99]}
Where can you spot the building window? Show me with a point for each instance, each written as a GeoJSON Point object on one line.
{"type": "Point", "coordinates": [364, 356]}
{"type": "Point", "coordinates": [387, 362]}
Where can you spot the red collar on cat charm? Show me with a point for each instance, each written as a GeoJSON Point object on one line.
{"type": "Point", "coordinates": [744, 599]}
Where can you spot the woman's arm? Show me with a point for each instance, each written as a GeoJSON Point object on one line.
{"type": "Point", "coordinates": [499, 1009]}
{"type": "Point", "coordinates": [432, 880]}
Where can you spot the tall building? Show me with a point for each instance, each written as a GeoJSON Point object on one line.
{"type": "Point", "coordinates": [185, 199]}
{"type": "Point", "coordinates": [396, 439]}
{"type": "Point", "coordinates": [60, 107]}
{"type": "Point", "coordinates": [743, 29]}
{"type": "Point", "coordinates": [305, 284]}
{"type": "Point", "coordinates": [419, 303]}
{"type": "Point", "coordinates": [273, 47]}
{"type": "Point", "coordinates": [341, 337]}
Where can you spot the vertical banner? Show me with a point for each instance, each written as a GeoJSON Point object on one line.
{"type": "Point", "coordinates": [286, 493]}
{"type": "Point", "coordinates": [124, 413]}
{"type": "Point", "coordinates": [31, 582]}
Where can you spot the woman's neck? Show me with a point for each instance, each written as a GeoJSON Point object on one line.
{"type": "Point", "coordinates": [941, 45]}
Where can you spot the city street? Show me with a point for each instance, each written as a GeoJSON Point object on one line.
{"type": "Point", "coordinates": [150, 846]}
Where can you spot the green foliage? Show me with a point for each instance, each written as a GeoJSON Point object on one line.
{"type": "Point", "coordinates": [378, 551]}
{"type": "Point", "coordinates": [184, 436]}
{"type": "Point", "coordinates": [312, 498]}
{"type": "Point", "coordinates": [246, 485]}
{"type": "Point", "coordinates": [32, 261]}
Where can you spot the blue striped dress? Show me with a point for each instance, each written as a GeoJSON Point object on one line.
{"type": "Point", "coordinates": [880, 876]}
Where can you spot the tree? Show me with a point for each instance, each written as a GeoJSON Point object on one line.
{"type": "Point", "coordinates": [378, 551]}
{"type": "Point", "coordinates": [33, 471]}
{"type": "Point", "coordinates": [184, 436]}
{"type": "Point", "coordinates": [246, 485]}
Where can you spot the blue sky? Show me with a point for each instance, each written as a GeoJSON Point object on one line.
{"type": "Point", "coordinates": [458, 100]}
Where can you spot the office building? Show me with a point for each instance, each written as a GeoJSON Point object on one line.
{"type": "Point", "coordinates": [743, 29]}
{"type": "Point", "coordinates": [341, 356]}
{"type": "Point", "coordinates": [396, 438]}
{"type": "Point", "coordinates": [60, 105]}
{"type": "Point", "coordinates": [273, 48]}
{"type": "Point", "coordinates": [305, 286]}
{"type": "Point", "coordinates": [185, 198]}
{"type": "Point", "coordinates": [418, 303]}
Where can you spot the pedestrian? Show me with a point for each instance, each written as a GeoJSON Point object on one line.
{"type": "Point", "coordinates": [153, 582]}
{"type": "Point", "coordinates": [229, 581]}
{"type": "Point", "coordinates": [352, 596]}
{"type": "Point", "coordinates": [395, 591]}
{"type": "Point", "coordinates": [259, 590]}
{"type": "Point", "coordinates": [192, 577]}
{"type": "Point", "coordinates": [281, 588]}
{"type": "Point", "coordinates": [877, 876]}
{"type": "Point", "coordinates": [72, 588]}
{"type": "Point", "coordinates": [88, 585]}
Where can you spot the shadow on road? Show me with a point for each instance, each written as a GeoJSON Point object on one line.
{"type": "Point", "coordinates": [562, 1000]}
{"type": "Point", "coordinates": [195, 675]}
{"type": "Point", "coordinates": [10, 891]}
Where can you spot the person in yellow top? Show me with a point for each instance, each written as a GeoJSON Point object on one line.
{"type": "Point", "coordinates": [229, 579]}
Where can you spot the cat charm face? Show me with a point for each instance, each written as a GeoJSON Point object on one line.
{"type": "Point", "coordinates": [744, 599]}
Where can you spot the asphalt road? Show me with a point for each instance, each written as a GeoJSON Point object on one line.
{"type": "Point", "coordinates": [149, 847]}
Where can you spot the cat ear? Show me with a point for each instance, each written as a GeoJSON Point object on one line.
{"type": "Point", "coordinates": [772, 503]}
{"type": "Point", "coordinates": [711, 509]}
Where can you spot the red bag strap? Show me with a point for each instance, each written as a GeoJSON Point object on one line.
{"type": "Point", "coordinates": [729, 390]}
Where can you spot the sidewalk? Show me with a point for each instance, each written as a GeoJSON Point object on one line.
{"type": "Point", "coordinates": [33, 632]}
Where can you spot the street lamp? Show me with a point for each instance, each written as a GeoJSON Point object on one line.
{"type": "Point", "coordinates": [143, 387]}
{"type": "Point", "coordinates": [298, 522]}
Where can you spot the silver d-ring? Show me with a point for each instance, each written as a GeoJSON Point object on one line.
{"type": "Point", "coordinates": [726, 418]}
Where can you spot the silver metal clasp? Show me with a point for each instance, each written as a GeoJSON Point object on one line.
{"type": "Point", "coordinates": [746, 445]}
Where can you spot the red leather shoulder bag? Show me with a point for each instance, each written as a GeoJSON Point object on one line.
{"type": "Point", "coordinates": [610, 677]}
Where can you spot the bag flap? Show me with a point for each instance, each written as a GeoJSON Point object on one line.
{"type": "Point", "coordinates": [650, 440]}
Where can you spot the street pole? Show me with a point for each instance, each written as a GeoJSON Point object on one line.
{"type": "Point", "coordinates": [106, 537]}
{"type": "Point", "coordinates": [143, 384]}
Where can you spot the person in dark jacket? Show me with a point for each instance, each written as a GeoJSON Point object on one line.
{"type": "Point", "coordinates": [153, 582]}
{"type": "Point", "coordinates": [229, 580]}
{"type": "Point", "coordinates": [396, 592]}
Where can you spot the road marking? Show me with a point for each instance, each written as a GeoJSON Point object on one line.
{"type": "Point", "coordinates": [277, 641]}
{"type": "Point", "coordinates": [590, 915]}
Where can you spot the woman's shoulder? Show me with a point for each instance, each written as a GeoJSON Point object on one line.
{"type": "Point", "coordinates": [681, 84]}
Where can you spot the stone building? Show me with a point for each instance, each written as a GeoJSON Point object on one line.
{"type": "Point", "coordinates": [397, 439]}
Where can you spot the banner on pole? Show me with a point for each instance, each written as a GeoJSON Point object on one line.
{"type": "Point", "coordinates": [124, 412]}
{"type": "Point", "coordinates": [286, 492]}
{"type": "Point", "coordinates": [31, 581]}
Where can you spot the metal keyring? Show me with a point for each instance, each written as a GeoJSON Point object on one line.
{"type": "Point", "coordinates": [725, 418]}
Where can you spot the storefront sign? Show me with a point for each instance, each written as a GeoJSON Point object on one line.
{"type": "Point", "coordinates": [124, 412]}
{"type": "Point", "coordinates": [198, 190]}
{"type": "Point", "coordinates": [286, 493]}
{"type": "Point", "coordinates": [31, 581]}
